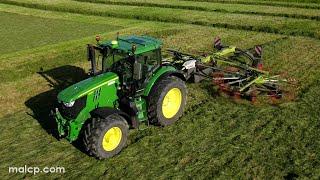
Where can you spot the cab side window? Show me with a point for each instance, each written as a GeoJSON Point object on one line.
{"type": "Point", "coordinates": [149, 58]}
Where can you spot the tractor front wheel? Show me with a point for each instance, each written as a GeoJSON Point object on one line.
{"type": "Point", "coordinates": [105, 137]}
{"type": "Point", "coordinates": [167, 101]}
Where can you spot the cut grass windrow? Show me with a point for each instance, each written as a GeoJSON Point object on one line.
{"type": "Point", "coordinates": [220, 7]}
{"type": "Point", "coordinates": [265, 3]}
{"type": "Point", "coordinates": [277, 25]}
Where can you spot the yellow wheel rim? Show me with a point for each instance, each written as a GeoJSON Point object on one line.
{"type": "Point", "coordinates": [171, 103]}
{"type": "Point", "coordinates": [112, 139]}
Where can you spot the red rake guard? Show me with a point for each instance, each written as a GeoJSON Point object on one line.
{"type": "Point", "coordinates": [217, 43]}
{"type": "Point", "coordinates": [258, 50]}
{"type": "Point", "coordinates": [258, 53]}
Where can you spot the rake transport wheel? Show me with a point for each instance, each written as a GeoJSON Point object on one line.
{"type": "Point", "coordinates": [105, 137]}
{"type": "Point", "coordinates": [166, 101]}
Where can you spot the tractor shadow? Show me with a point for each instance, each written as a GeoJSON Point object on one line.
{"type": "Point", "coordinates": [58, 78]}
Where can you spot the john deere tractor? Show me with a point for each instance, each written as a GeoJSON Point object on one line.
{"type": "Point", "coordinates": [128, 84]}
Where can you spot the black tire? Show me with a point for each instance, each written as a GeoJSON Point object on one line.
{"type": "Point", "coordinates": [95, 131]}
{"type": "Point", "coordinates": [156, 97]}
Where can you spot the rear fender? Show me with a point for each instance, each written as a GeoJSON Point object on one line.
{"type": "Point", "coordinates": [163, 72]}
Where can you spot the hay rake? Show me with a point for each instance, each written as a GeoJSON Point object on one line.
{"type": "Point", "coordinates": [237, 72]}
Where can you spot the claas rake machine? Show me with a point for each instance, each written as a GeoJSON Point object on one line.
{"type": "Point", "coordinates": [236, 72]}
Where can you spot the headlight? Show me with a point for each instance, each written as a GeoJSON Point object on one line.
{"type": "Point", "coordinates": [70, 110]}
{"type": "Point", "coordinates": [69, 104]}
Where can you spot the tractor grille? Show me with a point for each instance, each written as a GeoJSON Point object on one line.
{"type": "Point", "coordinates": [72, 112]}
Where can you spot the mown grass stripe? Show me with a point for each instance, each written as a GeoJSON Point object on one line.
{"type": "Point", "coordinates": [83, 18]}
{"type": "Point", "coordinates": [173, 19]}
{"type": "Point", "coordinates": [198, 8]}
{"type": "Point", "coordinates": [293, 1]}
{"type": "Point", "coordinates": [42, 31]}
{"type": "Point", "coordinates": [270, 3]}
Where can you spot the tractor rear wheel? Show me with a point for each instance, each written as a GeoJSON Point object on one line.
{"type": "Point", "coordinates": [105, 137]}
{"type": "Point", "coordinates": [166, 101]}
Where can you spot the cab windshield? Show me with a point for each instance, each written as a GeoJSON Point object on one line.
{"type": "Point", "coordinates": [112, 58]}
{"type": "Point", "coordinates": [102, 60]}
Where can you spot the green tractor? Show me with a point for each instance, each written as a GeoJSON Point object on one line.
{"type": "Point", "coordinates": [129, 84]}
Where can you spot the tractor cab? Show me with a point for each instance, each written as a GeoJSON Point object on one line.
{"type": "Point", "coordinates": [132, 58]}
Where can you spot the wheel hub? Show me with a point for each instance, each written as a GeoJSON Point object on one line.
{"type": "Point", "coordinates": [112, 139]}
{"type": "Point", "coordinates": [171, 103]}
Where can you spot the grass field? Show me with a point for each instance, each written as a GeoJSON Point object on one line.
{"type": "Point", "coordinates": [42, 31]}
{"type": "Point", "coordinates": [280, 25]}
{"type": "Point", "coordinates": [216, 137]}
{"type": "Point", "coordinates": [219, 7]}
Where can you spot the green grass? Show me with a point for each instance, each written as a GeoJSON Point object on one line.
{"type": "Point", "coordinates": [278, 25]}
{"type": "Point", "coordinates": [294, 1]}
{"type": "Point", "coordinates": [220, 7]}
{"type": "Point", "coordinates": [109, 21]}
{"type": "Point", "coordinates": [41, 31]}
{"type": "Point", "coordinates": [307, 4]}
{"type": "Point", "coordinates": [216, 137]}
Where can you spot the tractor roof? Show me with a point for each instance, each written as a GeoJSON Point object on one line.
{"type": "Point", "coordinates": [143, 43]}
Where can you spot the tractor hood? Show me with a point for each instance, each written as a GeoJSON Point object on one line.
{"type": "Point", "coordinates": [86, 86]}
